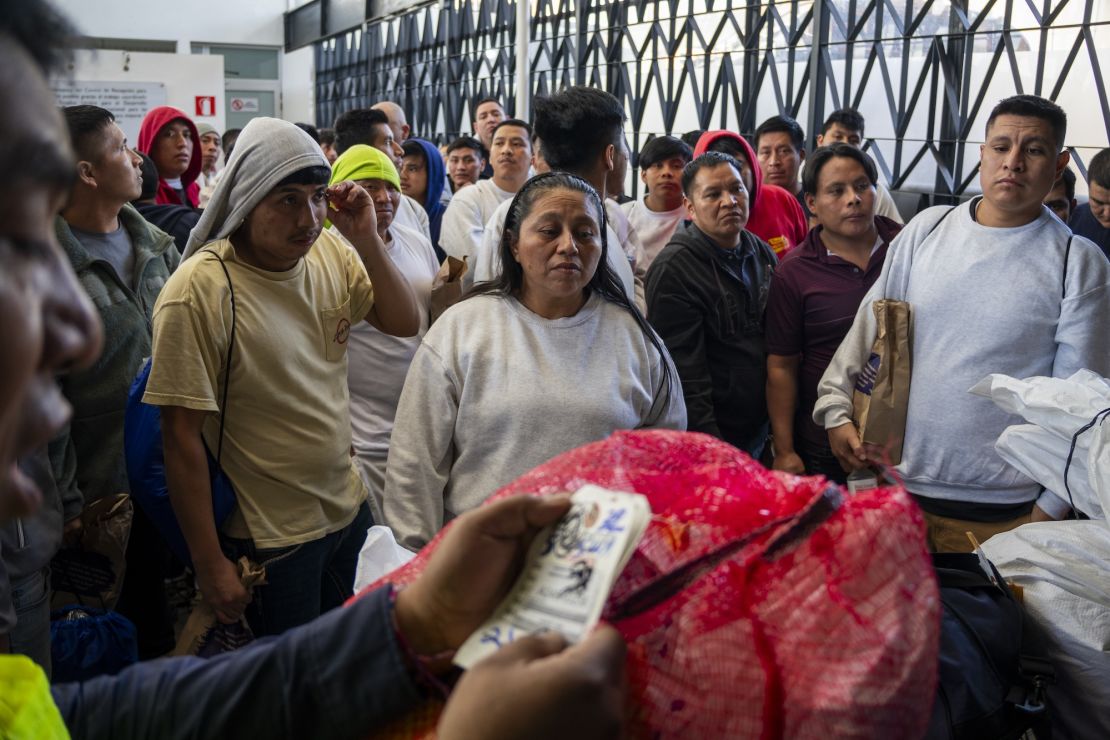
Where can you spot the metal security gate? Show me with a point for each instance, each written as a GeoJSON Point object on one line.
{"type": "Point", "coordinates": [925, 73]}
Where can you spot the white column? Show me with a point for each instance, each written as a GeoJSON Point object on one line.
{"type": "Point", "coordinates": [523, 71]}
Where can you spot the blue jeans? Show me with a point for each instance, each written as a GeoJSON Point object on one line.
{"type": "Point", "coordinates": [302, 581]}
{"type": "Point", "coordinates": [31, 634]}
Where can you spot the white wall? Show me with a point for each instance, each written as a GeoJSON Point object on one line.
{"type": "Point", "coordinates": [253, 22]}
{"type": "Point", "coordinates": [184, 75]}
{"type": "Point", "coordinates": [211, 21]}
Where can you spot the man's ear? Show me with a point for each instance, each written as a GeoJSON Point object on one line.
{"type": "Point", "coordinates": [811, 200]}
{"type": "Point", "coordinates": [85, 173]}
{"type": "Point", "coordinates": [689, 207]}
{"type": "Point", "coordinates": [643, 175]}
{"type": "Point", "coordinates": [610, 158]}
{"type": "Point", "coordinates": [1062, 160]}
{"type": "Point", "coordinates": [820, 141]}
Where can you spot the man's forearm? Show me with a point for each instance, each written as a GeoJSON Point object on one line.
{"type": "Point", "coordinates": [190, 488]}
{"type": "Point", "coordinates": [340, 676]}
{"type": "Point", "coordinates": [782, 401]}
{"type": "Point", "coordinates": [395, 304]}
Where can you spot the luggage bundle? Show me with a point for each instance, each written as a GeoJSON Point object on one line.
{"type": "Point", "coordinates": [758, 604]}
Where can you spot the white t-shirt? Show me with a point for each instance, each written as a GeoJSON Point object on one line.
{"type": "Point", "coordinates": [466, 217]}
{"type": "Point", "coordinates": [653, 227]}
{"type": "Point", "coordinates": [412, 215]}
{"type": "Point", "coordinates": [486, 265]}
{"type": "Point", "coordinates": [378, 362]}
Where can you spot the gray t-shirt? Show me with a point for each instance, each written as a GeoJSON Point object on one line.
{"type": "Point", "coordinates": [114, 247]}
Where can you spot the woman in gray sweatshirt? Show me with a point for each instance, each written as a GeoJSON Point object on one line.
{"type": "Point", "coordinates": [548, 357]}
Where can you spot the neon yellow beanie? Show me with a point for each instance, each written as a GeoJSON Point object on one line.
{"type": "Point", "coordinates": [362, 162]}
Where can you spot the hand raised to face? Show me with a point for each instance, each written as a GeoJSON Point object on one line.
{"type": "Point", "coordinates": [351, 209]}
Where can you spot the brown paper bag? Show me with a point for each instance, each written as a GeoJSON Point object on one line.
{"type": "Point", "coordinates": [92, 573]}
{"type": "Point", "coordinates": [883, 387]}
{"type": "Point", "coordinates": [447, 287]}
{"type": "Point", "coordinates": [205, 635]}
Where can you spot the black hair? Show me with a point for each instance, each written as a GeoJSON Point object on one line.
{"type": "Point", "coordinates": [513, 122]}
{"type": "Point", "coordinates": [315, 175]}
{"type": "Point", "coordinates": [709, 159]}
{"type": "Point", "coordinates": [412, 148]}
{"type": "Point", "coordinates": [327, 137]}
{"type": "Point", "coordinates": [483, 101]}
{"type": "Point", "coordinates": [1067, 177]}
{"type": "Point", "coordinates": [604, 282]}
{"type": "Point", "coordinates": [467, 142]}
{"type": "Point", "coordinates": [848, 118]}
{"type": "Point", "coordinates": [662, 148]}
{"type": "Point", "coordinates": [84, 123]}
{"type": "Point", "coordinates": [357, 127]}
{"type": "Point", "coordinates": [1034, 106]}
{"type": "Point", "coordinates": [731, 146]}
{"type": "Point", "coordinates": [309, 129]}
{"type": "Point", "coordinates": [690, 138]}
{"type": "Point", "coordinates": [784, 124]}
{"type": "Point", "coordinates": [1098, 171]}
{"type": "Point", "coordinates": [44, 33]}
{"type": "Point", "coordinates": [823, 154]}
{"type": "Point", "coordinates": [227, 141]}
{"type": "Point", "coordinates": [576, 125]}
{"type": "Point", "coordinates": [150, 179]}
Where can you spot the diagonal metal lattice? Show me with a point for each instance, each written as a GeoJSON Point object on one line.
{"type": "Point", "coordinates": [925, 73]}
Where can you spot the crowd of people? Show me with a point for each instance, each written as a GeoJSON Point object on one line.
{"type": "Point", "coordinates": [281, 279]}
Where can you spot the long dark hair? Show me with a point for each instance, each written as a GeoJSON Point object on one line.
{"type": "Point", "coordinates": [606, 284]}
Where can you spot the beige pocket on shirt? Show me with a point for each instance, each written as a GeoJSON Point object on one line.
{"type": "Point", "coordinates": [336, 326]}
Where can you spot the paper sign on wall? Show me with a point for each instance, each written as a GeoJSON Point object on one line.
{"type": "Point", "coordinates": [128, 101]}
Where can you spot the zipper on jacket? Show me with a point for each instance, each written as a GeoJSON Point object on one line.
{"type": "Point", "coordinates": [131, 293]}
{"type": "Point", "coordinates": [20, 535]}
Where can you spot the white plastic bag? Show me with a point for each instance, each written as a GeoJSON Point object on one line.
{"type": "Point", "coordinates": [1042, 456]}
{"type": "Point", "coordinates": [1060, 407]}
{"type": "Point", "coordinates": [380, 555]}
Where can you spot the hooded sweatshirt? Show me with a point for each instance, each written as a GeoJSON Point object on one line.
{"type": "Point", "coordinates": [773, 213]}
{"type": "Point", "coordinates": [266, 152]}
{"type": "Point", "coordinates": [437, 172]}
{"type": "Point", "coordinates": [148, 134]}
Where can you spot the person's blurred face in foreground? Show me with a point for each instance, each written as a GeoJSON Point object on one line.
{"type": "Point", "coordinates": [47, 324]}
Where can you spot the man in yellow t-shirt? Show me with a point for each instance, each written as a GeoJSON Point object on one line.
{"type": "Point", "coordinates": [286, 440]}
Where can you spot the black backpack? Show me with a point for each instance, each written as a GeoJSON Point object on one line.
{"type": "Point", "coordinates": [993, 664]}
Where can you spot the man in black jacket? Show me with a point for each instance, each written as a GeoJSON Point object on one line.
{"type": "Point", "coordinates": [706, 292]}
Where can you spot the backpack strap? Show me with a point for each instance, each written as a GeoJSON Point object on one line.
{"type": "Point", "coordinates": [230, 351]}
{"type": "Point", "coordinates": [934, 226]}
{"type": "Point", "coordinates": [1064, 277]}
{"type": "Point", "coordinates": [886, 286]}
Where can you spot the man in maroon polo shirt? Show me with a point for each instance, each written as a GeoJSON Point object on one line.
{"type": "Point", "coordinates": [815, 294]}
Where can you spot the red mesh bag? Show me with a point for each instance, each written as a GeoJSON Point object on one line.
{"type": "Point", "coordinates": [758, 604]}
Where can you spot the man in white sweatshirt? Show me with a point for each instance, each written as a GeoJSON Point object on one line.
{"type": "Point", "coordinates": [997, 285]}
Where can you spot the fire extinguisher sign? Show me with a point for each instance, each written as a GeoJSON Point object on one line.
{"type": "Point", "coordinates": [206, 105]}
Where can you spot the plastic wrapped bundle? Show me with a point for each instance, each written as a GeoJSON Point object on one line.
{"type": "Point", "coordinates": [758, 604]}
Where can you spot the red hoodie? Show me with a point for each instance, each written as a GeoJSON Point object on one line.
{"type": "Point", "coordinates": [773, 213]}
{"type": "Point", "coordinates": [148, 132]}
